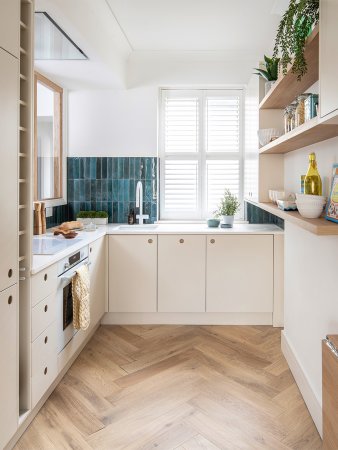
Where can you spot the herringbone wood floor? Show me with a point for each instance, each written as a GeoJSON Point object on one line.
{"type": "Point", "coordinates": [176, 387]}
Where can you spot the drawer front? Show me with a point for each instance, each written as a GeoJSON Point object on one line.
{"type": "Point", "coordinates": [43, 348]}
{"type": "Point", "coordinates": [45, 374]}
{"type": "Point", "coordinates": [44, 283]}
{"type": "Point", "coordinates": [43, 314]}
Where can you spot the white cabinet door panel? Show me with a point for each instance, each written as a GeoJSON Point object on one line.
{"type": "Point", "coordinates": [181, 273]}
{"type": "Point", "coordinates": [98, 281]}
{"type": "Point", "coordinates": [133, 273]}
{"type": "Point", "coordinates": [239, 273]}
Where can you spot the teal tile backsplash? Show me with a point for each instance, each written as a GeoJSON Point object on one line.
{"type": "Point", "coordinates": [109, 184]}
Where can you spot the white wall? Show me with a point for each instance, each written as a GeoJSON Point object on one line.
{"type": "Point", "coordinates": [113, 122]}
{"type": "Point", "coordinates": [311, 301]}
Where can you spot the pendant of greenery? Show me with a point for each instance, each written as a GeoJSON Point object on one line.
{"type": "Point", "coordinates": [292, 32]}
{"type": "Point", "coordinates": [271, 72]}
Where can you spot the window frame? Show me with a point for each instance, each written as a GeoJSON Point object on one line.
{"type": "Point", "coordinates": [201, 156]}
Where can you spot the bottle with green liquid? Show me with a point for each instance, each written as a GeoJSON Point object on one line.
{"type": "Point", "coordinates": [312, 182]}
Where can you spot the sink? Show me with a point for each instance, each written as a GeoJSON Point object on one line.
{"type": "Point", "coordinates": [138, 227]}
{"type": "Point", "coordinates": [51, 245]}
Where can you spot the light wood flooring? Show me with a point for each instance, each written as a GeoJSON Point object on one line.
{"type": "Point", "coordinates": [176, 387]}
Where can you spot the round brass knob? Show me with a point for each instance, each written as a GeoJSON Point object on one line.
{"type": "Point", "coordinates": [45, 277]}
{"type": "Point", "coordinates": [150, 241]}
{"type": "Point", "coordinates": [10, 300]}
{"type": "Point", "coordinates": [46, 339]}
{"type": "Point", "coordinates": [212, 241]}
{"type": "Point", "coordinates": [45, 371]}
{"type": "Point", "coordinates": [181, 241]}
{"type": "Point", "coordinates": [46, 308]}
{"type": "Point", "coordinates": [10, 273]}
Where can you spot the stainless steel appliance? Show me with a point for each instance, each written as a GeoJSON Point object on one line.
{"type": "Point", "coordinates": [67, 268]}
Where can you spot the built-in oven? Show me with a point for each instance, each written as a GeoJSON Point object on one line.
{"type": "Point", "coordinates": [67, 268]}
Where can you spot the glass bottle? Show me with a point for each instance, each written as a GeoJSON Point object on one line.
{"type": "Point", "coordinates": [312, 182]}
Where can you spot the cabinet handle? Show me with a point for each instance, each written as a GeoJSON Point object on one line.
{"type": "Point", "coordinates": [10, 273]}
{"type": "Point", "coordinates": [46, 339]}
{"type": "Point", "coordinates": [46, 308]}
{"type": "Point", "coordinates": [150, 241]}
{"type": "Point", "coordinates": [181, 241]}
{"type": "Point", "coordinates": [10, 299]}
{"type": "Point", "coordinates": [45, 277]}
{"type": "Point", "coordinates": [212, 241]}
{"type": "Point", "coordinates": [45, 371]}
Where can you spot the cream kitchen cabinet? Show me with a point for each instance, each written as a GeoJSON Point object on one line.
{"type": "Point", "coordinates": [328, 62]}
{"type": "Point", "coordinates": [133, 273]}
{"type": "Point", "coordinates": [9, 346]}
{"type": "Point", "coordinates": [9, 94]}
{"type": "Point", "coordinates": [98, 279]}
{"type": "Point", "coordinates": [239, 274]}
{"type": "Point", "coordinates": [181, 273]}
{"type": "Point", "coordinates": [9, 26]}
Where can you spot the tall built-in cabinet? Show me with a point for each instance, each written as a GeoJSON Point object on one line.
{"type": "Point", "coordinates": [268, 168]}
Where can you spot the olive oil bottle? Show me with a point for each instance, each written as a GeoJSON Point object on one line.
{"type": "Point", "coordinates": [312, 182]}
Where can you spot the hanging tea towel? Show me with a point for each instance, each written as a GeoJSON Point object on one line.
{"type": "Point", "coordinates": [81, 298]}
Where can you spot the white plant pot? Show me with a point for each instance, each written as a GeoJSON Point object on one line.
{"type": "Point", "coordinates": [101, 221]}
{"type": "Point", "coordinates": [268, 85]}
{"type": "Point", "coordinates": [84, 221]}
{"type": "Point", "coordinates": [228, 220]}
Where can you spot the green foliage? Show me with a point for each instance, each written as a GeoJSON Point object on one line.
{"type": "Point", "coordinates": [228, 206]}
{"type": "Point", "coordinates": [86, 215]}
{"type": "Point", "coordinates": [101, 215]}
{"type": "Point", "coordinates": [271, 72]}
{"type": "Point", "coordinates": [292, 32]}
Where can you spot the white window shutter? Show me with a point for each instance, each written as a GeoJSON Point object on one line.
{"type": "Point", "coordinates": [181, 185]}
{"type": "Point", "coordinates": [221, 175]}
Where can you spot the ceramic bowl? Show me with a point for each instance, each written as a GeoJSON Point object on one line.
{"type": "Point", "coordinates": [266, 135]}
{"type": "Point", "coordinates": [213, 223]}
{"type": "Point", "coordinates": [310, 206]}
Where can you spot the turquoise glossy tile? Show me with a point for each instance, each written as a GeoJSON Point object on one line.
{"type": "Point", "coordinates": [104, 169]}
{"type": "Point", "coordinates": [93, 168]}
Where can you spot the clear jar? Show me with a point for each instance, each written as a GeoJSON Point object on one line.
{"type": "Point", "coordinates": [287, 119]}
{"type": "Point", "coordinates": [293, 107]}
{"type": "Point", "coordinates": [300, 109]}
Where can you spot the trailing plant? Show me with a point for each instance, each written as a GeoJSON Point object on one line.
{"type": "Point", "coordinates": [101, 215]}
{"type": "Point", "coordinates": [86, 215]}
{"type": "Point", "coordinates": [271, 72]}
{"type": "Point", "coordinates": [294, 28]}
{"type": "Point", "coordinates": [228, 206]}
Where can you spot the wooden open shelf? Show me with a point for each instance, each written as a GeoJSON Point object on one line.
{"type": "Point", "coordinates": [320, 226]}
{"type": "Point", "coordinates": [287, 87]}
{"type": "Point", "coordinates": [309, 133]}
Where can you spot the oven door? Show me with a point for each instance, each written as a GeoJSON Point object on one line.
{"type": "Point", "coordinates": [65, 327]}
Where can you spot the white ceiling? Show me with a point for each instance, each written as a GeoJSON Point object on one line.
{"type": "Point", "coordinates": [196, 25]}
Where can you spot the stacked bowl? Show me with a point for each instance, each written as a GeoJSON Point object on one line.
{"type": "Point", "coordinates": [310, 206]}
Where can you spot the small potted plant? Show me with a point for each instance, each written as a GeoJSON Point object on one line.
{"type": "Point", "coordinates": [270, 75]}
{"type": "Point", "coordinates": [101, 218]}
{"type": "Point", "coordinates": [86, 217]}
{"type": "Point", "coordinates": [227, 208]}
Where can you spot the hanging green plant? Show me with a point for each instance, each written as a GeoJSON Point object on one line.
{"type": "Point", "coordinates": [294, 28]}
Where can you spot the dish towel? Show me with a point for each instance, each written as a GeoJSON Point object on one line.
{"type": "Point", "coordinates": [81, 298]}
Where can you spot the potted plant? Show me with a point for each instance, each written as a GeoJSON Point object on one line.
{"type": "Point", "coordinates": [101, 218]}
{"type": "Point", "coordinates": [86, 217]}
{"type": "Point", "coordinates": [227, 208]}
{"type": "Point", "coordinates": [295, 26]}
{"type": "Point", "coordinates": [270, 74]}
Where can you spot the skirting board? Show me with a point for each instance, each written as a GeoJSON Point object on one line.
{"type": "Point", "coordinates": [303, 383]}
{"type": "Point", "coordinates": [187, 319]}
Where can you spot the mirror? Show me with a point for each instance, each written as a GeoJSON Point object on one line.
{"type": "Point", "coordinates": [48, 139]}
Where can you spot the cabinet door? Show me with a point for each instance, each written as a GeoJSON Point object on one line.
{"type": "Point", "coordinates": [9, 363]}
{"type": "Point", "coordinates": [98, 280]}
{"type": "Point", "coordinates": [132, 273]}
{"type": "Point", "coordinates": [240, 273]}
{"type": "Point", "coordinates": [10, 26]}
{"type": "Point", "coordinates": [328, 62]}
{"type": "Point", "coordinates": [181, 273]}
{"type": "Point", "coordinates": [9, 76]}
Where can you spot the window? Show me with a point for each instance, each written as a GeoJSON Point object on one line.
{"type": "Point", "coordinates": [200, 141]}
{"type": "Point", "coordinates": [48, 157]}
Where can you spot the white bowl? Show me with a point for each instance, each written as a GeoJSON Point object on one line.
{"type": "Point", "coordinates": [311, 208]}
{"type": "Point", "coordinates": [266, 135]}
{"type": "Point", "coordinates": [309, 198]}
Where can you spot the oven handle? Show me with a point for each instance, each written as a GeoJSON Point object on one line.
{"type": "Point", "coordinates": [67, 280]}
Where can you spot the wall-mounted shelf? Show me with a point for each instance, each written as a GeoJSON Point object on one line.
{"type": "Point", "coordinates": [287, 87]}
{"type": "Point", "coordinates": [320, 226]}
{"type": "Point", "coordinates": [309, 133]}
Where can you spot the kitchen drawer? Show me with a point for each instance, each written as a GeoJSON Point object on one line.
{"type": "Point", "coordinates": [43, 348]}
{"type": "Point", "coordinates": [44, 283]}
{"type": "Point", "coordinates": [43, 314]}
{"type": "Point", "coordinates": [45, 373]}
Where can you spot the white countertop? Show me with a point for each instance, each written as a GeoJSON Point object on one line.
{"type": "Point", "coordinates": [84, 238]}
